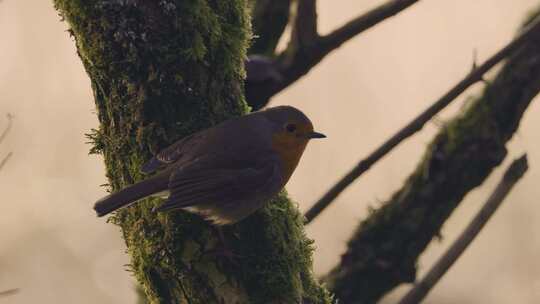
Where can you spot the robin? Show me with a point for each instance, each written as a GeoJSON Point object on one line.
{"type": "Point", "coordinates": [226, 172]}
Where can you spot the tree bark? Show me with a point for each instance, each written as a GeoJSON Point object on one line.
{"type": "Point", "coordinates": [161, 70]}
{"type": "Point", "coordinates": [384, 250]}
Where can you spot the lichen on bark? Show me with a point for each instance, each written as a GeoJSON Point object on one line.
{"type": "Point", "coordinates": [161, 70]}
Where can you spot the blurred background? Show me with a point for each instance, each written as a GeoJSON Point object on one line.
{"type": "Point", "coordinates": [55, 250]}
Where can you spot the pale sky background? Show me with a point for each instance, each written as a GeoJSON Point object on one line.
{"type": "Point", "coordinates": [55, 250]}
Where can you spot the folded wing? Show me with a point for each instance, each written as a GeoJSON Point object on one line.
{"type": "Point", "coordinates": [221, 184]}
{"type": "Point", "coordinates": [170, 154]}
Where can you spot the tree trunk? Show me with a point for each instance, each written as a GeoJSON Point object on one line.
{"type": "Point", "coordinates": [161, 70]}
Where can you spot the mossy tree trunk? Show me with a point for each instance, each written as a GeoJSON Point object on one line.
{"type": "Point", "coordinates": [161, 70]}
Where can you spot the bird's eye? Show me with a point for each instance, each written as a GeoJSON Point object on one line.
{"type": "Point", "coordinates": [290, 128]}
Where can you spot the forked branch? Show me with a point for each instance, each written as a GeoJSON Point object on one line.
{"type": "Point", "coordinates": [307, 48]}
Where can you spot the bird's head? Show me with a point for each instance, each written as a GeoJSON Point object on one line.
{"type": "Point", "coordinates": [291, 127]}
{"type": "Point", "coordinates": [291, 133]}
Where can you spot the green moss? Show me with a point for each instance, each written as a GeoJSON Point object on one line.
{"type": "Point", "coordinates": [161, 70]}
{"type": "Point", "coordinates": [282, 259]}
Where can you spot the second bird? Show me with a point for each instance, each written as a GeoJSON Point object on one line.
{"type": "Point", "coordinates": [226, 172]}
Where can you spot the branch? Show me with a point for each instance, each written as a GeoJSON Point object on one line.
{"type": "Point", "coordinates": [304, 32]}
{"type": "Point", "coordinates": [512, 175]}
{"type": "Point", "coordinates": [364, 22]}
{"type": "Point", "coordinates": [8, 127]}
{"type": "Point", "coordinates": [306, 48]}
{"type": "Point", "coordinates": [383, 251]}
{"type": "Point", "coordinates": [269, 19]}
{"type": "Point", "coordinates": [263, 72]}
{"type": "Point", "coordinates": [416, 124]}
{"type": "Point", "coordinates": [9, 292]}
{"type": "Point", "coordinates": [5, 160]}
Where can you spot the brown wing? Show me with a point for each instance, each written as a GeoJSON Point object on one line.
{"type": "Point", "coordinates": [240, 135]}
{"type": "Point", "coordinates": [212, 181]}
{"type": "Point", "coordinates": [170, 154]}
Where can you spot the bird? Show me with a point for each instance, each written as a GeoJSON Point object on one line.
{"type": "Point", "coordinates": [226, 172]}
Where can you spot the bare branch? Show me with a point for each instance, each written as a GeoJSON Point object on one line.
{"type": "Point", "coordinates": [416, 124]}
{"type": "Point", "coordinates": [364, 22]}
{"type": "Point", "coordinates": [304, 37]}
{"type": "Point", "coordinates": [269, 19]}
{"type": "Point", "coordinates": [306, 48]}
{"type": "Point", "coordinates": [304, 31]}
{"type": "Point", "coordinates": [9, 292]}
{"type": "Point", "coordinates": [383, 251]}
{"type": "Point", "coordinates": [5, 160]}
{"type": "Point", "coordinates": [512, 175]}
{"type": "Point", "coordinates": [8, 127]}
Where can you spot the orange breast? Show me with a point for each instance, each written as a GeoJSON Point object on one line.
{"type": "Point", "coordinates": [289, 152]}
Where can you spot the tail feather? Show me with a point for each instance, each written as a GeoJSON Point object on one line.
{"type": "Point", "coordinates": [131, 194]}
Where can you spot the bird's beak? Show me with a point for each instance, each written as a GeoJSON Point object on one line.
{"type": "Point", "coordinates": [314, 134]}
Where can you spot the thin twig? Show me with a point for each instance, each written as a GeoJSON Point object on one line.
{"type": "Point", "coordinates": [9, 292]}
{"type": "Point", "coordinates": [416, 124]}
{"type": "Point", "coordinates": [512, 175]}
{"type": "Point", "coordinates": [5, 160]}
{"type": "Point", "coordinates": [8, 127]}
{"type": "Point", "coordinates": [364, 22]}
